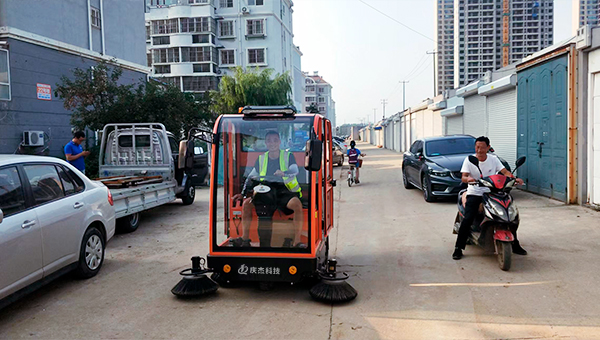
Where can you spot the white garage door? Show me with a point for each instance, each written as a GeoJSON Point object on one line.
{"type": "Point", "coordinates": [502, 124]}
{"type": "Point", "coordinates": [454, 125]}
{"type": "Point", "coordinates": [474, 119]}
{"type": "Point", "coordinates": [437, 124]}
{"type": "Point", "coordinates": [595, 145]}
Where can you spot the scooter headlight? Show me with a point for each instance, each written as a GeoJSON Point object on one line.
{"type": "Point", "coordinates": [513, 212]}
{"type": "Point", "coordinates": [498, 209]}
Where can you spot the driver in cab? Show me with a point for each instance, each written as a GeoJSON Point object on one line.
{"type": "Point", "coordinates": [277, 169]}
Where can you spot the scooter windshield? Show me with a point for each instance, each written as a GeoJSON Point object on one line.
{"type": "Point", "coordinates": [262, 195]}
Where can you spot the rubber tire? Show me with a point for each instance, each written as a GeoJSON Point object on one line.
{"type": "Point", "coordinates": [426, 187]}
{"type": "Point", "coordinates": [350, 182]}
{"type": "Point", "coordinates": [405, 181]}
{"type": "Point", "coordinates": [504, 255]}
{"type": "Point", "coordinates": [190, 195]}
{"type": "Point", "coordinates": [128, 224]}
{"type": "Point", "coordinates": [83, 271]}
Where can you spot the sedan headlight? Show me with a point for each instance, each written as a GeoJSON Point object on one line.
{"type": "Point", "coordinates": [497, 209]}
{"type": "Point", "coordinates": [513, 212]}
{"type": "Point", "coordinates": [439, 173]}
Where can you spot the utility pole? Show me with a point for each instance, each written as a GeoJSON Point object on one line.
{"type": "Point", "coordinates": [404, 82]}
{"type": "Point", "coordinates": [374, 115]}
{"type": "Point", "coordinates": [434, 52]}
{"type": "Point", "coordinates": [384, 102]}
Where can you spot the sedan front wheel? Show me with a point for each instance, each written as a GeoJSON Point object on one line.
{"type": "Point", "coordinates": [426, 186]}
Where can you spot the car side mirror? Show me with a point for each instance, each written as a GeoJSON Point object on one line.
{"type": "Point", "coordinates": [182, 150]}
{"type": "Point", "coordinates": [1, 215]}
{"type": "Point", "coordinates": [313, 155]}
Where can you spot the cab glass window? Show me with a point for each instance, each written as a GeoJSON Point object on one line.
{"type": "Point", "coordinates": [45, 184]}
{"type": "Point", "coordinates": [12, 199]}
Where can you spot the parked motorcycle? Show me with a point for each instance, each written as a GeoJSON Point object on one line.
{"type": "Point", "coordinates": [492, 229]}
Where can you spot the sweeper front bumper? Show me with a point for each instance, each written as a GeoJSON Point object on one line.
{"type": "Point", "coordinates": [262, 269]}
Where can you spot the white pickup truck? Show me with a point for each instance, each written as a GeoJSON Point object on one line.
{"type": "Point", "coordinates": [140, 163]}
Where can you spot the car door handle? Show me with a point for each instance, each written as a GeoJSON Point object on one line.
{"type": "Point", "coordinates": [77, 205]}
{"type": "Point", "coordinates": [27, 224]}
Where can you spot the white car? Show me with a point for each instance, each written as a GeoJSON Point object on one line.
{"type": "Point", "coordinates": [53, 220]}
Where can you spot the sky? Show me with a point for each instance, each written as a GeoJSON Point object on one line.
{"type": "Point", "coordinates": [364, 54]}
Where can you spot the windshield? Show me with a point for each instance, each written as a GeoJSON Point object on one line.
{"type": "Point", "coordinates": [263, 189]}
{"type": "Point", "coordinates": [449, 146]}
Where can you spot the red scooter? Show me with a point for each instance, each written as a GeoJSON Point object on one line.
{"type": "Point", "coordinates": [492, 229]}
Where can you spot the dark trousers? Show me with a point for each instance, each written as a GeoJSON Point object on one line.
{"type": "Point", "coordinates": [471, 212]}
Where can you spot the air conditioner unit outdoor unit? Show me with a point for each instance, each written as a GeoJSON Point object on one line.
{"type": "Point", "coordinates": [33, 138]}
{"type": "Point", "coordinates": [245, 10]}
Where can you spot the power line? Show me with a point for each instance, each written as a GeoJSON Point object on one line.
{"type": "Point", "coordinates": [380, 12]}
{"type": "Point", "coordinates": [419, 64]}
{"type": "Point", "coordinates": [423, 70]}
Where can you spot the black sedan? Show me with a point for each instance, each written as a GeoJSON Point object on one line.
{"type": "Point", "coordinates": [433, 164]}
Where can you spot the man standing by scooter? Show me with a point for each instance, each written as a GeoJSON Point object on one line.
{"type": "Point", "coordinates": [489, 165]}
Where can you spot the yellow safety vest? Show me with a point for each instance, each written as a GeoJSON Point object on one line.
{"type": "Point", "coordinates": [290, 182]}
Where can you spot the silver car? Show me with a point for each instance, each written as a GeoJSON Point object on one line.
{"type": "Point", "coordinates": [53, 220]}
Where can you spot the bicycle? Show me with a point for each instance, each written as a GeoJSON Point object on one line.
{"type": "Point", "coordinates": [352, 171]}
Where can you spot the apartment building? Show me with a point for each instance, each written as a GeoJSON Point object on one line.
{"type": "Point", "coordinates": [444, 42]}
{"type": "Point", "coordinates": [490, 34]}
{"type": "Point", "coordinates": [192, 43]}
{"type": "Point", "coordinates": [41, 41]}
{"type": "Point", "coordinates": [319, 92]}
{"type": "Point", "coordinates": [585, 12]}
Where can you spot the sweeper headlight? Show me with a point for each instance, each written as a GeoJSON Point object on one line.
{"type": "Point", "coordinates": [226, 268]}
{"type": "Point", "coordinates": [293, 270]}
{"type": "Point", "coordinates": [268, 111]}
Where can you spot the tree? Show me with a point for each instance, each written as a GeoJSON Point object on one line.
{"type": "Point", "coordinates": [313, 108]}
{"type": "Point", "coordinates": [251, 87]}
{"type": "Point", "coordinates": [96, 99]}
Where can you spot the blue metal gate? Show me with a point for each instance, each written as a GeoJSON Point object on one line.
{"type": "Point", "coordinates": [542, 127]}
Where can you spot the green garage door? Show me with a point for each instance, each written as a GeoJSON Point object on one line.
{"type": "Point", "coordinates": [542, 127]}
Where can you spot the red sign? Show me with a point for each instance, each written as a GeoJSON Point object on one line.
{"type": "Point", "coordinates": [44, 92]}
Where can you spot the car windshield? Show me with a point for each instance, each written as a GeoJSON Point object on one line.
{"type": "Point", "coordinates": [450, 146]}
{"type": "Point", "coordinates": [258, 208]}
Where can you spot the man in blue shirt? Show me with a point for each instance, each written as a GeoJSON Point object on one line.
{"type": "Point", "coordinates": [74, 152]}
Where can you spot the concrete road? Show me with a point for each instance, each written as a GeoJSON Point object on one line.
{"type": "Point", "coordinates": [397, 249]}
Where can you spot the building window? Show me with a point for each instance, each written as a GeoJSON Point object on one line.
{"type": "Point", "coordinates": [165, 26]}
{"type": "Point", "coordinates": [255, 27]}
{"type": "Point", "coordinates": [4, 75]}
{"type": "Point", "coordinates": [161, 40]}
{"type": "Point", "coordinates": [195, 25]}
{"type": "Point", "coordinates": [165, 55]}
{"type": "Point", "coordinates": [203, 68]}
{"type": "Point", "coordinates": [157, 2]}
{"type": "Point", "coordinates": [162, 69]}
{"type": "Point", "coordinates": [321, 108]}
{"type": "Point", "coordinates": [199, 84]}
{"type": "Point", "coordinates": [226, 3]}
{"type": "Point", "coordinates": [95, 17]}
{"type": "Point", "coordinates": [191, 2]}
{"type": "Point", "coordinates": [321, 100]}
{"type": "Point", "coordinates": [256, 2]}
{"type": "Point", "coordinates": [227, 57]}
{"type": "Point", "coordinates": [226, 29]}
{"type": "Point", "coordinates": [148, 33]}
{"type": "Point", "coordinates": [196, 54]}
{"type": "Point", "coordinates": [149, 59]}
{"type": "Point", "coordinates": [200, 39]}
{"type": "Point", "coordinates": [321, 90]}
{"type": "Point", "coordinates": [256, 56]}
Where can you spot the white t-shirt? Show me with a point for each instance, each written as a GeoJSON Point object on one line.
{"type": "Point", "coordinates": [488, 167]}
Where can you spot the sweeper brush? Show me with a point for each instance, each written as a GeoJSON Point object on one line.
{"type": "Point", "coordinates": [333, 286]}
{"type": "Point", "coordinates": [195, 282]}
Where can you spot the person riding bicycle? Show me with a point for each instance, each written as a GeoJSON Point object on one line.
{"type": "Point", "coordinates": [281, 165]}
{"type": "Point", "coordinates": [353, 154]}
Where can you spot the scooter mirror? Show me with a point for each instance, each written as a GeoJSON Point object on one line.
{"type": "Point", "coordinates": [1, 215]}
{"type": "Point", "coordinates": [474, 160]}
{"type": "Point", "coordinates": [520, 161]}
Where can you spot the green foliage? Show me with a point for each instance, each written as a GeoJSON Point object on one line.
{"type": "Point", "coordinates": [97, 98]}
{"type": "Point", "coordinates": [251, 87]}
{"type": "Point", "coordinates": [313, 108]}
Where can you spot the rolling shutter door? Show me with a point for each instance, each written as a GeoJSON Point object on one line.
{"type": "Point", "coordinates": [454, 125]}
{"type": "Point", "coordinates": [502, 125]}
{"type": "Point", "coordinates": [474, 116]}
